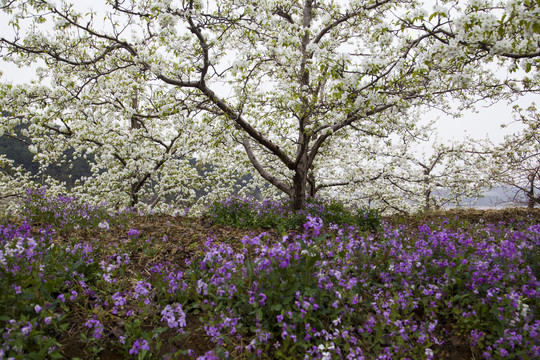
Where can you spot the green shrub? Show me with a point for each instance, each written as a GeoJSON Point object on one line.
{"type": "Point", "coordinates": [247, 213]}
{"type": "Point", "coordinates": [66, 213]}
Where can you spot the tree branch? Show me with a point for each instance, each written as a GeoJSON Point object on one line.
{"type": "Point", "coordinates": [58, 57]}
{"type": "Point", "coordinates": [279, 11]}
{"type": "Point", "coordinates": [336, 127]}
{"type": "Point", "coordinates": [246, 126]}
{"type": "Point", "coordinates": [268, 177]}
{"type": "Point", "coordinates": [347, 17]}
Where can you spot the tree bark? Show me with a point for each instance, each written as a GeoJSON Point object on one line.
{"type": "Point", "coordinates": [530, 194]}
{"type": "Point", "coordinates": [427, 199]}
{"type": "Point", "coordinates": [298, 197]}
{"type": "Point", "coordinates": [300, 178]}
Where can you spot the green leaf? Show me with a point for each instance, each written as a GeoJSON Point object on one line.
{"type": "Point", "coordinates": [499, 326]}
{"type": "Point", "coordinates": [276, 307]}
{"type": "Point", "coordinates": [142, 354]}
{"type": "Point", "coordinates": [28, 295]}
{"type": "Point", "coordinates": [33, 355]}
{"type": "Point", "coordinates": [378, 334]}
{"type": "Point", "coordinates": [159, 330]}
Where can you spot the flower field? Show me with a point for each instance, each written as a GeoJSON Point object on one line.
{"type": "Point", "coordinates": [82, 282]}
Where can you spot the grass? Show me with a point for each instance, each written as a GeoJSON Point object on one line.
{"type": "Point", "coordinates": [81, 282]}
{"type": "Point", "coordinates": [247, 213]}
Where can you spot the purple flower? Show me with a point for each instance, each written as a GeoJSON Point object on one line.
{"type": "Point", "coordinates": [263, 299]}
{"type": "Point", "coordinates": [98, 327]}
{"type": "Point", "coordinates": [208, 356]}
{"type": "Point", "coordinates": [37, 308]}
{"type": "Point", "coordinates": [142, 288]}
{"type": "Point", "coordinates": [174, 315]}
{"type": "Point", "coordinates": [119, 300]}
{"type": "Point", "coordinates": [139, 345]}
{"type": "Point", "coordinates": [315, 223]}
{"type": "Point", "coordinates": [476, 335]}
{"type": "Point", "coordinates": [133, 233]}
{"type": "Point", "coordinates": [25, 330]}
{"type": "Point", "coordinates": [145, 345]}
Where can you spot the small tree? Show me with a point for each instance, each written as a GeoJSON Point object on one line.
{"type": "Point", "coordinates": [445, 177]}
{"type": "Point", "coordinates": [10, 179]}
{"type": "Point", "coordinates": [140, 149]}
{"type": "Point", "coordinates": [502, 34]}
{"type": "Point", "coordinates": [421, 173]}
{"type": "Point", "coordinates": [516, 161]}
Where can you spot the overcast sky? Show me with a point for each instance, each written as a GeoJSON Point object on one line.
{"type": "Point", "coordinates": [486, 122]}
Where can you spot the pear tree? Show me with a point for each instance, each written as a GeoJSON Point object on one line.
{"type": "Point", "coordinates": [289, 91]}
{"type": "Point", "coordinates": [422, 173]}
{"type": "Point", "coordinates": [515, 162]}
{"type": "Point", "coordinates": [503, 32]}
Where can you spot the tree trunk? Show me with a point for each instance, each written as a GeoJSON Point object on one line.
{"type": "Point", "coordinates": [311, 185]}
{"type": "Point", "coordinates": [135, 124]}
{"type": "Point", "coordinates": [531, 202]}
{"type": "Point", "coordinates": [530, 194]}
{"type": "Point", "coordinates": [299, 191]}
{"type": "Point", "coordinates": [427, 198]}
{"type": "Point", "coordinates": [427, 191]}
{"type": "Point", "coordinates": [300, 183]}
{"type": "Point", "coordinates": [134, 199]}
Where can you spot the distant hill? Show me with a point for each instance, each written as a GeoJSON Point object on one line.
{"type": "Point", "coordinates": [498, 197]}
{"type": "Point", "coordinates": [16, 149]}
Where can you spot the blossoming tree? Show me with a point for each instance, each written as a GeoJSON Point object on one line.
{"type": "Point", "coordinates": [515, 162]}
{"type": "Point", "coordinates": [293, 90]}
{"type": "Point", "coordinates": [447, 175]}
{"type": "Point", "coordinates": [506, 31]}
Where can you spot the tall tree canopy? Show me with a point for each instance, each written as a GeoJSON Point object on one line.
{"type": "Point", "coordinates": [507, 31]}
{"type": "Point", "coordinates": [293, 89]}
